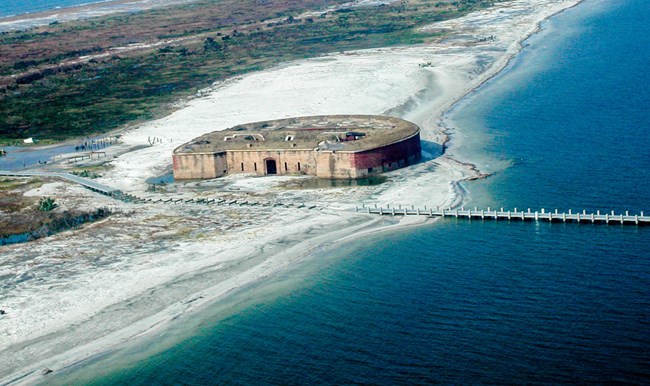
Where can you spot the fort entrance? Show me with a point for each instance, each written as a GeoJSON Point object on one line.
{"type": "Point", "coordinates": [271, 166]}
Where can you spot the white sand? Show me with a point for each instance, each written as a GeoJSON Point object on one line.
{"type": "Point", "coordinates": [77, 294]}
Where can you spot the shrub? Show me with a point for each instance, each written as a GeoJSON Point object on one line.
{"type": "Point", "coordinates": [46, 204]}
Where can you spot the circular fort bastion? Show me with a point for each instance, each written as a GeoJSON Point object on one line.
{"type": "Point", "coordinates": [328, 146]}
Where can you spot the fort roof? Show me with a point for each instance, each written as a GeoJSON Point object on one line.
{"type": "Point", "coordinates": [347, 133]}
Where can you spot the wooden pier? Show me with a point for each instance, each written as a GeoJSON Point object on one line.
{"type": "Point", "coordinates": [513, 215]}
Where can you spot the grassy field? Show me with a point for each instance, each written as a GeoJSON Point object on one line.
{"type": "Point", "coordinates": [68, 80]}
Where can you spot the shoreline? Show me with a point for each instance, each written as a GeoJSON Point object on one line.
{"type": "Point", "coordinates": [157, 326]}
{"type": "Point", "coordinates": [27, 20]}
{"type": "Point", "coordinates": [410, 179]}
{"type": "Point", "coordinates": [498, 71]}
{"type": "Point", "coordinates": [57, 8]}
{"type": "Point", "coordinates": [152, 327]}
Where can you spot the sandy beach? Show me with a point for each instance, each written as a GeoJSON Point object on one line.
{"type": "Point", "coordinates": [79, 294]}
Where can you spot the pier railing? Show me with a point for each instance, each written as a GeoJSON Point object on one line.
{"type": "Point", "coordinates": [512, 215]}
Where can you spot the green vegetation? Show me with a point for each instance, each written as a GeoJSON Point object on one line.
{"type": "Point", "coordinates": [49, 101]}
{"type": "Point", "coordinates": [86, 174]}
{"type": "Point", "coordinates": [23, 218]}
{"type": "Point", "coordinates": [45, 224]}
{"type": "Point", "coordinates": [46, 204]}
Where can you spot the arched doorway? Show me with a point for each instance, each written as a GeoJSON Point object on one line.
{"type": "Point", "coordinates": [271, 166]}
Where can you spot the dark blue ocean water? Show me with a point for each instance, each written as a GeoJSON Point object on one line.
{"type": "Point", "coordinates": [462, 302]}
{"type": "Point", "coordinates": [19, 7]}
{"type": "Point", "coordinates": [572, 115]}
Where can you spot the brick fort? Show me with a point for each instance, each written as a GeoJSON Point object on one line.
{"type": "Point", "coordinates": [329, 146]}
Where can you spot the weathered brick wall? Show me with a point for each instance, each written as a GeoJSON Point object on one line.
{"type": "Point", "coordinates": [389, 157]}
{"type": "Point", "coordinates": [198, 166]}
{"type": "Point", "coordinates": [324, 164]}
{"type": "Point", "coordinates": [335, 165]}
{"type": "Point", "coordinates": [287, 161]}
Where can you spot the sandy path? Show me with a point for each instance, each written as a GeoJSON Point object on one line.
{"type": "Point", "coordinates": [78, 294]}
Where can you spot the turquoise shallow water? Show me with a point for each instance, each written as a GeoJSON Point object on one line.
{"type": "Point", "coordinates": [462, 302]}
{"type": "Point", "coordinates": [19, 7]}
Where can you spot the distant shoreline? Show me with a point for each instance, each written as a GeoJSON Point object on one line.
{"type": "Point", "coordinates": [98, 8]}
{"type": "Point", "coordinates": [54, 8]}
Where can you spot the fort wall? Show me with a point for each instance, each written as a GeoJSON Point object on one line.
{"type": "Point", "coordinates": [331, 147]}
{"type": "Point", "coordinates": [286, 161]}
{"type": "Point", "coordinates": [189, 166]}
{"type": "Point", "coordinates": [389, 157]}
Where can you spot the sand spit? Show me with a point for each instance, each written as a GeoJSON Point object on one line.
{"type": "Point", "coordinates": [107, 7]}
{"type": "Point", "coordinates": [84, 11]}
{"type": "Point", "coordinates": [78, 294]}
